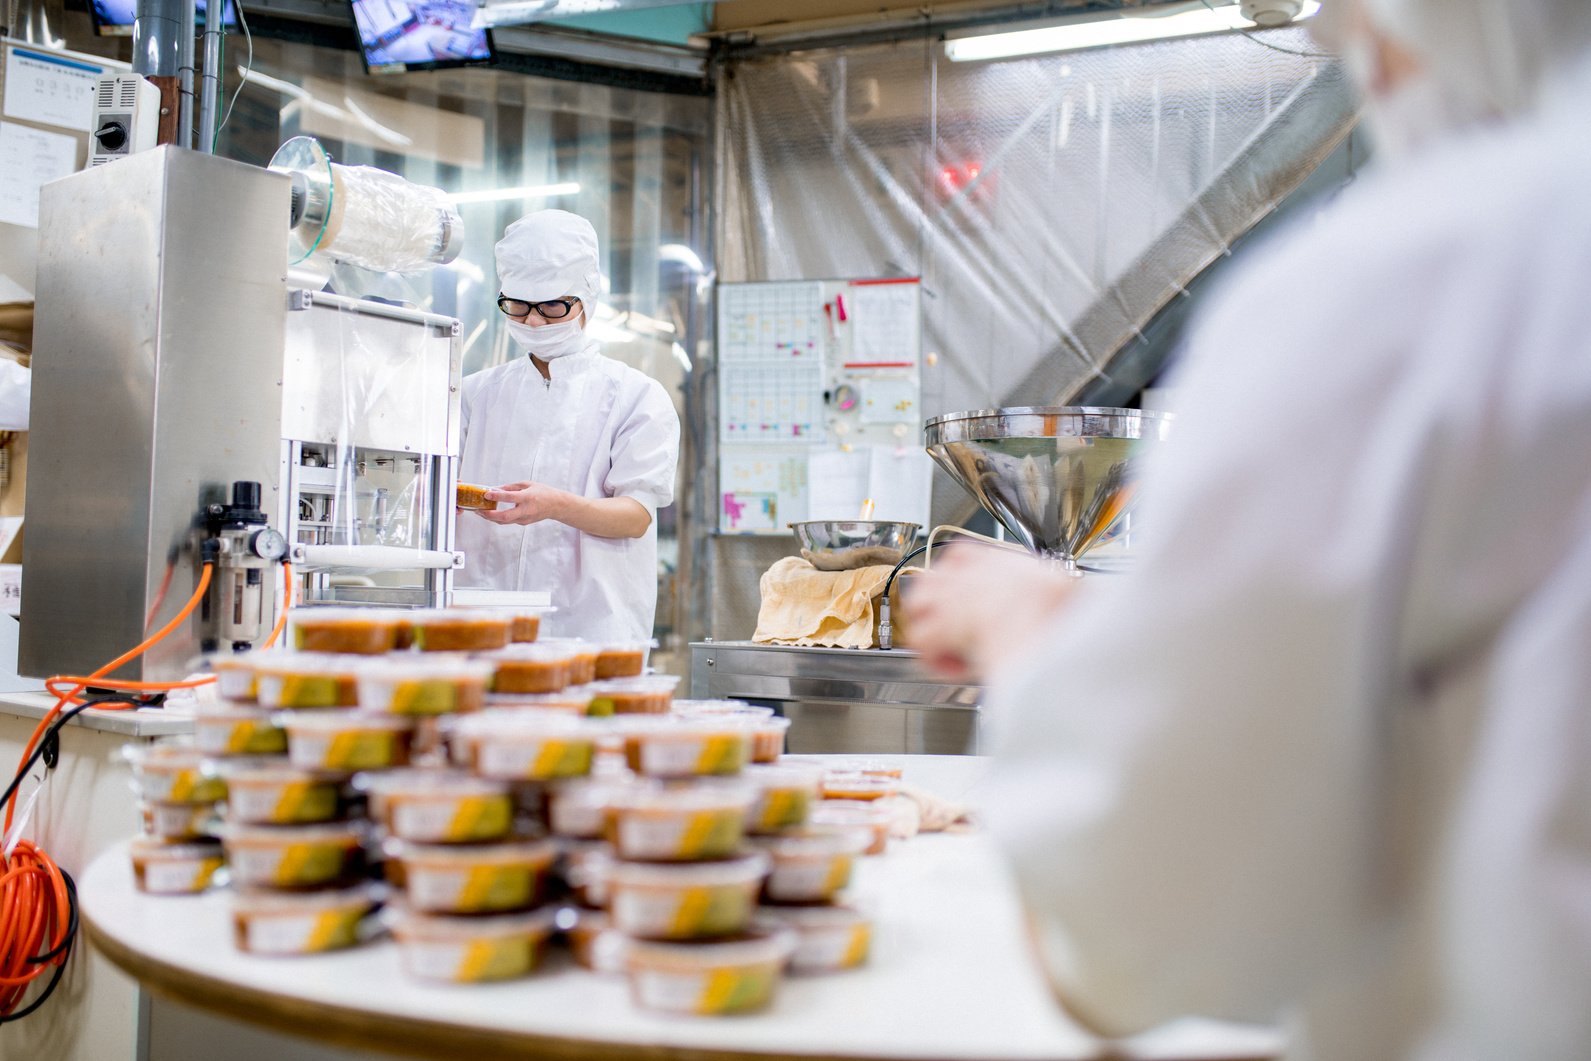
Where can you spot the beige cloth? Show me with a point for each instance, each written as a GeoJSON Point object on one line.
{"type": "Point", "coordinates": [828, 609]}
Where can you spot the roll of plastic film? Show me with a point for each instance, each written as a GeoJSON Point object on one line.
{"type": "Point", "coordinates": [365, 216]}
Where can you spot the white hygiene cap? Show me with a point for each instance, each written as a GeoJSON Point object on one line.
{"type": "Point", "coordinates": [549, 254]}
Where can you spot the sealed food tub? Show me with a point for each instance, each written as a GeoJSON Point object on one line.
{"type": "Point", "coordinates": [866, 767]}
{"type": "Point", "coordinates": [525, 624]}
{"type": "Point", "coordinates": [347, 740]}
{"type": "Point", "coordinates": [582, 660]}
{"type": "Point", "coordinates": [174, 773]}
{"type": "Point", "coordinates": [470, 496]}
{"type": "Point", "coordinates": [719, 708]}
{"type": "Point", "coordinates": [785, 795]}
{"type": "Point", "coordinates": [674, 823]}
{"type": "Point", "coordinates": [469, 950]}
{"type": "Point", "coordinates": [812, 864]}
{"type": "Point", "coordinates": [161, 868]}
{"type": "Point", "coordinates": [292, 856]}
{"type": "Point", "coordinates": [696, 901]}
{"type": "Point", "coordinates": [271, 793]}
{"type": "Point", "coordinates": [767, 736]}
{"type": "Point", "coordinates": [238, 731]}
{"type": "Point", "coordinates": [578, 808]}
{"type": "Point", "coordinates": [355, 631]}
{"type": "Point", "coordinates": [668, 747]}
{"type": "Point", "coordinates": [430, 684]}
{"type": "Point", "coordinates": [594, 942]}
{"type": "Point", "coordinates": [476, 878]}
{"type": "Point", "coordinates": [436, 807]}
{"type": "Point", "coordinates": [307, 680]}
{"type": "Point", "coordinates": [234, 675]}
{"type": "Point", "coordinates": [459, 629]}
{"type": "Point", "coordinates": [650, 695]}
{"type": "Point", "coordinates": [575, 700]}
{"type": "Point", "coordinates": [178, 821]}
{"type": "Point", "coordinates": [531, 669]}
{"type": "Point", "coordinates": [858, 788]}
{"type": "Point", "coordinates": [866, 815]}
{"type": "Point", "coordinates": [586, 865]}
{"type": "Point", "coordinates": [282, 923]}
{"type": "Point", "coordinates": [521, 746]}
{"type": "Point", "coordinates": [621, 659]}
{"type": "Point", "coordinates": [707, 979]}
{"type": "Point", "coordinates": [828, 938]}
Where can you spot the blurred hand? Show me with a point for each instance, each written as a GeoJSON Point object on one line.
{"type": "Point", "coordinates": [979, 607]}
{"type": "Point", "coordinates": [533, 502]}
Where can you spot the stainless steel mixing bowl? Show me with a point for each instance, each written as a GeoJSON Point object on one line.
{"type": "Point", "coordinates": [841, 545]}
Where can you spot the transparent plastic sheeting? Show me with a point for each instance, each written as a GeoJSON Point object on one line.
{"type": "Point", "coordinates": [388, 224]}
{"type": "Point", "coordinates": [1052, 204]}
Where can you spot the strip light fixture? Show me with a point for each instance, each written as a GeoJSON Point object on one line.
{"type": "Point", "coordinates": [1101, 33]}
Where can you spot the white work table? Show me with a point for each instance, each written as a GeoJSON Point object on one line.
{"type": "Point", "coordinates": [951, 978]}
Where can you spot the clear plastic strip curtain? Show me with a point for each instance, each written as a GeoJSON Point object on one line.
{"type": "Point", "coordinates": [1052, 204]}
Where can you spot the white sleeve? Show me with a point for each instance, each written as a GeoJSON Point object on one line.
{"type": "Point", "coordinates": [646, 451]}
{"type": "Point", "coordinates": [16, 393]}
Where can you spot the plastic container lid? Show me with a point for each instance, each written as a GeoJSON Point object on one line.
{"type": "Point", "coordinates": [424, 782]}
{"type": "Point", "coordinates": [532, 652]}
{"type": "Point", "coordinates": [809, 918]}
{"type": "Point", "coordinates": [756, 949]}
{"type": "Point", "coordinates": [452, 616]}
{"type": "Point", "coordinates": [426, 665]}
{"type": "Point", "coordinates": [265, 771]}
{"type": "Point", "coordinates": [747, 869]}
{"type": "Point", "coordinates": [147, 847]}
{"type": "Point", "coordinates": [781, 775]}
{"type": "Point", "coordinates": [502, 854]}
{"type": "Point", "coordinates": [647, 683]}
{"type": "Point", "coordinates": [508, 723]}
{"type": "Point", "coordinates": [341, 720]}
{"type": "Point", "coordinates": [706, 794]}
{"type": "Point", "coordinates": [819, 841]}
{"type": "Point", "coordinates": [266, 835]}
{"type": "Point", "coordinates": [579, 646]}
{"type": "Point", "coordinates": [721, 707]}
{"type": "Point", "coordinates": [266, 901]}
{"type": "Point", "coordinates": [319, 664]}
{"type": "Point", "coordinates": [442, 928]}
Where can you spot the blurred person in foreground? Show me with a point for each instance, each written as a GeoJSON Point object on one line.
{"type": "Point", "coordinates": [1323, 756]}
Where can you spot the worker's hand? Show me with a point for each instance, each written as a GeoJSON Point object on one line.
{"type": "Point", "coordinates": [533, 502]}
{"type": "Point", "coordinates": [980, 607]}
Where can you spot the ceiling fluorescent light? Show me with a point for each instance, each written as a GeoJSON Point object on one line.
{"type": "Point", "coordinates": [498, 195]}
{"type": "Point", "coordinates": [1119, 29]}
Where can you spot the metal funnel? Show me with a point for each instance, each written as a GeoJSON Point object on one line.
{"type": "Point", "coordinates": [1059, 479]}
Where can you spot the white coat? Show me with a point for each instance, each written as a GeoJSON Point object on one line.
{"type": "Point", "coordinates": [597, 428]}
{"type": "Point", "coordinates": [1326, 750]}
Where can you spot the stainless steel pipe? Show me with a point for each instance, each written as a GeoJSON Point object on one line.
{"type": "Point", "coordinates": [210, 85]}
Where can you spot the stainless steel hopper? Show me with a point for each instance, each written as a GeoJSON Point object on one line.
{"type": "Point", "coordinates": [1058, 479]}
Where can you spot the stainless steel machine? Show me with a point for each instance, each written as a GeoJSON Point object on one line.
{"type": "Point", "coordinates": [192, 383]}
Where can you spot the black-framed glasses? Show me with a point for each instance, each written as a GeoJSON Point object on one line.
{"type": "Point", "coordinates": [554, 309]}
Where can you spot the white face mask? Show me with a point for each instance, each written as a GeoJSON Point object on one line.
{"type": "Point", "coordinates": [550, 341]}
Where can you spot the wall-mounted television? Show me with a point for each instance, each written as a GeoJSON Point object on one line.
{"type": "Point", "coordinates": [400, 35]}
{"type": "Point", "coordinates": [114, 18]}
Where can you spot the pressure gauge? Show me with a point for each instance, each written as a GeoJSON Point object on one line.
{"type": "Point", "coordinates": [268, 544]}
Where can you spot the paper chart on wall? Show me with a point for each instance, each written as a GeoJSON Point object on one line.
{"type": "Point", "coordinates": [885, 324]}
{"type": "Point", "coordinates": [50, 89]}
{"type": "Point", "coordinates": [771, 403]}
{"type": "Point", "coordinates": [898, 481]}
{"type": "Point", "coordinates": [761, 489]}
{"type": "Point", "coordinates": [29, 159]}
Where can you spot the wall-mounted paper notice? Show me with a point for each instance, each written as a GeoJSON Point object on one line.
{"type": "Point", "coordinates": [30, 158]}
{"type": "Point", "coordinates": [900, 483]}
{"type": "Point", "coordinates": [837, 483]}
{"type": "Point", "coordinates": [50, 89]}
{"type": "Point", "coordinates": [885, 324]}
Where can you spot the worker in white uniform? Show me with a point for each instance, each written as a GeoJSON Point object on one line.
{"type": "Point", "coordinates": [1323, 756]}
{"type": "Point", "coordinates": [580, 447]}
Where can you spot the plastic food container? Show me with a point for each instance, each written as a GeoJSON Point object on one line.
{"type": "Point", "coordinates": [828, 938]}
{"type": "Point", "coordinates": [583, 658]}
{"type": "Point", "coordinates": [861, 788]}
{"type": "Point", "coordinates": [679, 748]}
{"type": "Point", "coordinates": [359, 631]}
{"type": "Point", "coordinates": [594, 942]}
{"type": "Point", "coordinates": [460, 629]}
{"type": "Point", "coordinates": [160, 868]}
{"type": "Point", "coordinates": [468, 950]}
{"type": "Point", "coordinates": [292, 856]}
{"type": "Point", "coordinates": [651, 695]}
{"type": "Point", "coordinates": [347, 740]}
{"type": "Point", "coordinates": [698, 901]}
{"type": "Point", "coordinates": [814, 864]}
{"type": "Point", "coordinates": [435, 807]}
{"type": "Point", "coordinates": [720, 708]}
{"type": "Point", "coordinates": [307, 680]}
{"type": "Point", "coordinates": [767, 736]}
{"type": "Point", "coordinates": [578, 808]}
{"type": "Point", "coordinates": [586, 864]}
{"type": "Point", "coordinates": [519, 746]}
{"type": "Point", "coordinates": [278, 794]}
{"type": "Point", "coordinates": [531, 669]}
{"type": "Point", "coordinates": [621, 659]}
{"type": "Point", "coordinates": [525, 624]}
{"type": "Point", "coordinates": [279, 923]}
{"type": "Point", "coordinates": [238, 731]}
{"type": "Point", "coordinates": [785, 795]}
{"type": "Point", "coordinates": [468, 495]}
{"type": "Point", "coordinates": [870, 816]}
{"type": "Point", "coordinates": [423, 685]}
{"type": "Point", "coordinates": [574, 700]}
{"type": "Point", "coordinates": [476, 878]}
{"type": "Point", "coordinates": [234, 676]}
{"type": "Point", "coordinates": [663, 823]}
{"type": "Point", "coordinates": [707, 979]}
{"type": "Point", "coordinates": [178, 821]}
{"type": "Point", "coordinates": [866, 767]}
{"type": "Point", "coordinates": [174, 773]}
